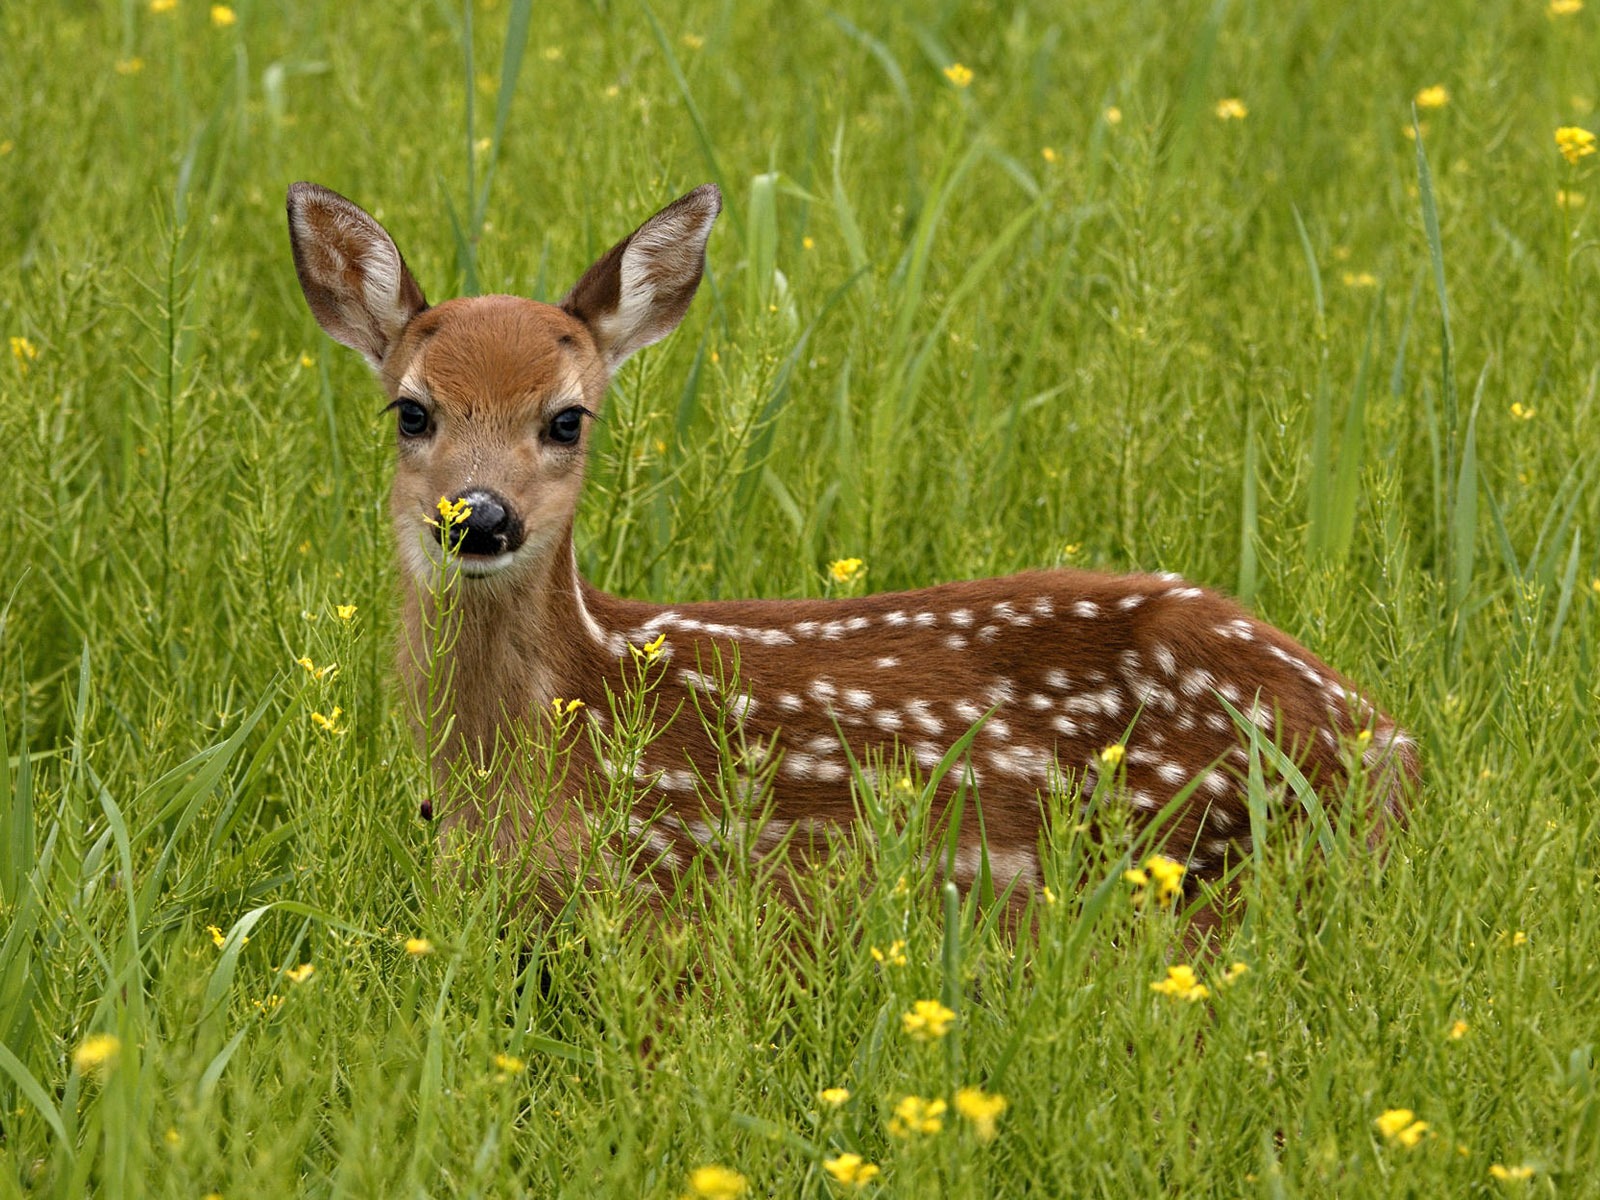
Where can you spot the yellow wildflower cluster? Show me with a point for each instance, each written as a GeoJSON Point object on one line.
{"type": "Point", "coordinates": [1458, 1030]}
{"type": "Point", "coordinates": [1400, 1127]}
{"type": "Point", "coordinates": [508, 1065]}
{"type": "Point", "coordinates": [959, 75]}
{"type": "Point", "coordinates": [163, 6]}
{"type": "Point", "coordinates": [1505, 1174]}
{"type": "Point", "coordinates": [344, 612]}
{"type": "Point", "coordinates": [1523, 412]}
{"type": "Point", "coordinates": [452, 512]}
{"type": "Point", "coordinates": [834, 1097]}
{"type": "Point", "coordinates": [329, 723]}
{"type": "Point", "coordinates": [847, 570]}
{"type": "Point", "coordinates": [650, 651]}
{"type": "Point", "coordinates": [23, 351]}
{"type": "Point", "coordinates": [222, 16]}
{"type": "Point", "coordinates": [1436, 96]}
{"type": "Point", "coordinates": [1112, 755]}
{"type": "Point", "coordinates": [565, 708]}
{"type": "Point", "coordinates": [913, 1115]}
{"type": "Point", "coordinates": [220, 939]}
{"type": "Point", "coordinates": [850, 1170]}
{"type": "Point", "coordinates": [894, 956]}
{"type": "Point", "coordinates": [928, 1021]}
{"type": "Point", "coordinates": [982, 1108]}
{"type": "Point", "coordinates": [1231, 109]}
{"type": "Point", "coordinates": [1181, 983]}
{"type": "Point", "coordinates": [301, 973]}
{"type": "Point", "coordinates": [97, 1052]}
{"type": "Point", "coordinates": [315, 671]}
{"type": "Point", "coordinates": [716, 1183]}
{"type": "Point", "coordinates": [1166, 873]}
{"type": "Point", "coordinates": [418, 947]}
{"type": "Point", "coordinates": [1359, 279]}
{"type": "Point", "coordinates": [1564, 8]}
{"type": "Point", "coordinates": [1574, 142]}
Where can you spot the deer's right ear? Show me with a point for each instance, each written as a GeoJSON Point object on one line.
{"type": "Point", "coordinates": [351, 272]}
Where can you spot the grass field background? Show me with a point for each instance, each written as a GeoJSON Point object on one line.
{"type": "Point", "coordinates": [1056, 306]}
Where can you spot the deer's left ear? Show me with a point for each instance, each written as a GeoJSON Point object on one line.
{"type": "Point", "coordinates": [639, 290]}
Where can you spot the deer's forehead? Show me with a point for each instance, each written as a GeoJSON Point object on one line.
{"type": "Point", "coordinates": [496, 350]}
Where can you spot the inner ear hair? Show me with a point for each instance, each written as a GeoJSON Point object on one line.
{"type": "Point", "coordinates": [354, 278]}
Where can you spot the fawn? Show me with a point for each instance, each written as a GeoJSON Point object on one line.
{"type": "Point", "coordinates": [493, 397]}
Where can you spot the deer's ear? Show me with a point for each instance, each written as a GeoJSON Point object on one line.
{"type": "Point", "coordinates": [351, 272]}
{"type": "Point", "coordinates": [639, 290]}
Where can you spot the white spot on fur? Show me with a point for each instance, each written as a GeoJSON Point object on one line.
{"type": "Point", "coordinates": [1130, 602]}
{"type": "Point", "coordinates": [1043, 606]}
{"type": "Point", "coordinates": [1086, 609]}
{"type": "Point", "coordinates": [823, 691]}
{"type": "Point", "coordinates": [788, 702]}
{"type": "Point", "coordinates": [1057, 680]}
{"type": "Point", "coordinates": [886, 662]}
{"type": "Point", "coordinates": [920, 712]}
{"type": "Point", "coordinates": [896, 617]}
{"type": "Point", "coordinates": [697, 680]}
{"type": "Point", "coordinates": [1165, 659]}
{"type": "Point", "coordinates": [1065, 726]}
{"type": "Point", "coordinates": [857, 698]}
{"type": "Point", "coordinates": [925, 620]}
{"type": "Point", "coordinates": [887, 719]}
{"type": "Point", "coordinates": [988, 633]}
{"type": "Point", "coordinates": [1038, 701]}
{"type": "Point", "coordinates": [966, 710]}
{"type": "Point", "coordinates": [956, 642]}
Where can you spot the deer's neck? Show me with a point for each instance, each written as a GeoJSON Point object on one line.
{"type": "Point", "coordinates": [488, 653]}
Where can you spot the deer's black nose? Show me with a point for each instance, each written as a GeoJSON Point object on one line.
{"type": "Point", "coordinates": [489, 528]}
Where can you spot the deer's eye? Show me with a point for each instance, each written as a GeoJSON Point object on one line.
{"type": "Point", "coordinates": [412, 418]}
{"type": "Point", "coordinates": [566, 425]}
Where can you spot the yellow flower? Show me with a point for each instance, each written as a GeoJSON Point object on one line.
{"type": "Point", "coordinates": [128, 66]}
{"type": "Point", "coordinates": [315, 671]}
{"type": "Point", "coordinates": [1458, 1031]}
{"type": "Point", "coordinates": [1113, 115]}
{"type": "Point", "coordinates": [959, 75]}
{"type": "Point", "coordinates": [846, 570]}
{"type": "Point", "coordinates": [716, 1183]}
{"type": "Point", "coordinates": [163, 6]}
{"type": "Point", "coordinates": [1574, 142]}
{"type": "Point", "coordinates": [1049, 154]}
{"type": "Point", "coordinates": [330, 723]}
{"type": "Point", "coordinates": [1234, 973]}
{"type": "Point", "coordinates": [651, 650]}
{"type": "Point", "coordinates": [97, 1052]}
{"type": "Point", "coordinates": [270, 1005]}
{"type": "Point", "coordinates": [1049, 894]}
{"type": "Point", "coordinates": [1113, 754]}
{"type": "Point", "coordinates": [1569, 200]}
{"type": "Point", "coordinates": [565, 708]}
{"type": "Point", "coordinates": [1181, 983]}
{"type": "Point", "coordinates": [914, 1115]}
{"type": "Point", "coordinates": [1359, 279]}
{"type": "Point", "coordinates": [982, 1109]}
{"type": "Point", "coordinates": [1231, 109]}
{"type": "Point", "coordinates": [928, 1021]}
{"type": "Point", "coordinates": [1072, 550]}
{"type": "Point", "coordinates": [1400, 1125]}
{"type": "Point", "coordinates": [301, 973]}
{"type": "Point", "coordinates": [1517, 938]}
{"type": "Point", "coordinates": [693, 40]}
{"type": "Point", "coordinates": [1168, 874]}
{"type": "Point", "coordinates": [509, 1065]}
{"type": "Point", "coordinates": [418, 947]}
{"type": "Point", "coordinates": [452, 512]}
{"type": "Point", "coordinates": [220, 939]}
{"type": "Point", "coordinates": [808, 242]}
{"type": "Point", "coordinates": [894, 956]}
{"type": "Point", "coordinates": [1564, 8]}
{"type": "Point", "coordinates": [222, 16]}
{"type": "Point", "coordinates": [1507, 1174]}
{"type": "Point", "coordinates": [344, 612]}
{"type": "Point", "coordinates": [1436, 96]}
{"type": "Point", "coordinates": [850, 1170]}
{"type": "Point", "coordinates": [1523, 412]}
{"type": "Point", "coordinates": [834, 1096]}
{"type": "Point", "coordinates": [23, 351]}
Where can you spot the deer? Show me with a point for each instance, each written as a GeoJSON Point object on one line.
{"type": "Point", "coordinates": [1065, 675]}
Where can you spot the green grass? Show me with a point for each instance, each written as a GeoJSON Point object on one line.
{"type": "Point", "coordinates": [924, 342]}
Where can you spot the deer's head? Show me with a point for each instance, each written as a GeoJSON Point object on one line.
{"type": "Point", "coordinates": [492, 395]}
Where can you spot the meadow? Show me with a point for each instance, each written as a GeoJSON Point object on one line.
{"type": "Point", "coordinates": [1296, 300]}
